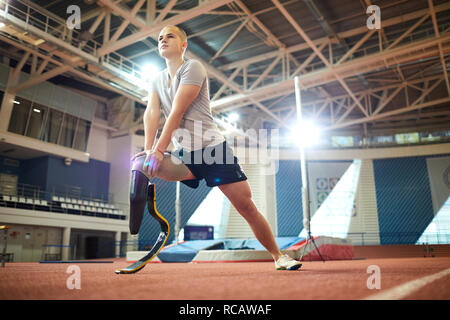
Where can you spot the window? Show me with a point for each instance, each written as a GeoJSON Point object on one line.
{"type": "Point", "coordinates": [52, 126]}
{"type": "Point", "coordinates": [68, 130]}
{"type": "Point", "coordinates": [428, 137]}
{"type": "Point", "coordinates": [407, 137]}
{"type": "Point", "coordinates": [383, 140]}
{"type": "Point", "coordinates": [82, 135]}
{"type": "Point", "coordinates": [19, 116]}
{"type": "Point", "coordinates": [36, 121]}
{"type": "Point", "coordinates": [40, 122]}
{"type": "Point", "coordinates": [341, 141]}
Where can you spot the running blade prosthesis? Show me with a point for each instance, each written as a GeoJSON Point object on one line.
{"type": "Point", "coordinates": [165, 228]}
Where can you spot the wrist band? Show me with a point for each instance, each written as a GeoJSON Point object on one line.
{"type": "Point", "coordinates": [160, 151]}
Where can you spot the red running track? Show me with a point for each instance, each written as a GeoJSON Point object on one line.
{"type": "Point", "coordinates": [223, 281]}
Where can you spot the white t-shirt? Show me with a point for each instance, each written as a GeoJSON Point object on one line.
{"type": "Point", "coordinates": [198, 127]}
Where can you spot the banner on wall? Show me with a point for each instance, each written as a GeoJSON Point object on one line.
{"type": "Point", "coordinates": [334, 215]}
{"type": "Point", "coordinates": [323, 177]}
{"type": "Point", "coordinates": [439, 176]}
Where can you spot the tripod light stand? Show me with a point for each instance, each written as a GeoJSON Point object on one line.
{"type": "Point", "coordinates": [305, 195]}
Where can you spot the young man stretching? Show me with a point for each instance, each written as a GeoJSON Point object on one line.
{"type": "Point", "coordinates": [181, 92]}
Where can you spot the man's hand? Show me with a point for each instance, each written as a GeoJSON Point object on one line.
{"type": "Point", "coordinates": [137, 155]}
{"type": "Point", "coordinates": [152, 162]}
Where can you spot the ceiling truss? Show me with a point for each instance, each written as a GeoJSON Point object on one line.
{"type": "Point", "coordinates": [259, 83]}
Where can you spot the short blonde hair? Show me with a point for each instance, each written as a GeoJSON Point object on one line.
{"type": "Point", "coordinates": [181, 33]}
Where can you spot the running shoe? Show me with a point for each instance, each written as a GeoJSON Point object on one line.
{"type": "Point", "coordinates": [285, 262]}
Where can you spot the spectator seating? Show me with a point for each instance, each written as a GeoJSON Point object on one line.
{"type": "Point", "coordinates": [88, 208]}
{"type": "Point", "coordinates": [65, 205]}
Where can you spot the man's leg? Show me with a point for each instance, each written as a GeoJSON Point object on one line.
{"type": "Point", "coordinates": [170, 169]}
{"type": "Point", "coordinates": [240, 196]}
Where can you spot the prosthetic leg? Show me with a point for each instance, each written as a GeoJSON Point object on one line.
{"type": "Point", "coordinates": [143, 191]}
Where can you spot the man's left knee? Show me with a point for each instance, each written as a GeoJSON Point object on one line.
{"type": "Point", "coordinates": [248, 209]}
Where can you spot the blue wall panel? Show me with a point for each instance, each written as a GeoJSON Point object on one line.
{"type": "Point", "coordinates": [34, 172]}
{"type": "Point", "coordinates": [50, 174]}
{"type": "Point", "coordinates": [165, 204]}
{"type": "Point", "coordinates": [404, 199]}
{"type": "Point", "coordinates": [289, 198]}
{"type": "Point", "coordinates": [91, 177]}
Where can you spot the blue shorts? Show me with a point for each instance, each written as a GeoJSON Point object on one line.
{"type": "Point", "coordinates": [216, 164]}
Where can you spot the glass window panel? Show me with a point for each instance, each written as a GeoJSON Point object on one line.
{"type": "Point", "coordinates": [52, 126]}
{"type": "Point", "coordinates": [342, 141]}
{"type": "Point", "coordinates": [428, 137]}
{"type": "Point", "coordinates": [412, 137]}
{"type": "Point", "coordinates": [37, 117]}
{"type": "Point", "coordinates": [81, 139]}
{"type": "Point", "coordinates": [68, 130]}
{"type": "Point", "coordinates": [19, 115]}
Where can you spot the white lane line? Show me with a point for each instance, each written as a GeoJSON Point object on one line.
{"type": "Point", "coordinates": [404, 290]}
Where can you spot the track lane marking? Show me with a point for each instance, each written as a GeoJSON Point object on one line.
{"type": "Point", "coordinates": [404, 290]}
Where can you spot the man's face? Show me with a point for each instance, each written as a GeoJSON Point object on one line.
{"type": "Point", "coordinates": [170, 43]}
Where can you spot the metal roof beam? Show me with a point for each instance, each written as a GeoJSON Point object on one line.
{"type": "Point", "coordinates": [146, 31]}
{"type": "Point", "coordinates": [102, 83]}
{"type": "Point", "coordinates": [344, 34]}
{"type": "Point", "coordinates": [221, 77]}
{"type": "Point", "coordinates": [34, 80]}
{"type": "Point", "coordinates": [407, 32]}
{"type": "Point", "coordinates": [441, 53]}
{"type": "Point", "coordinates": [409, 82]}
{"type": "Point", "coordinates": [337, 123]}
{"type": "Point", "coordinates": [388, 114]}
{"type": "Point", "coordinates": [414, 51]}
{"type": "Point", "coordinates": [126, 22]}
{"type": "Point", "coordinates": [229, 40]}
{"type": "Point", "coordinates": [258, 22]}
{"type": "Point", "coordinates": [318, 52]}
{"type": "Point", "coordinates": [206, 6]}
{"type": "Point", "coordinates": [165, 11]}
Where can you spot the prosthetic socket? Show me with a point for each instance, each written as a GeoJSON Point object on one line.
{"type": "Point", "coordinates": [141, 191]}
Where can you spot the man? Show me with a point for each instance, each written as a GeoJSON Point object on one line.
{"type": "Point", "coordinates": [181, 92]}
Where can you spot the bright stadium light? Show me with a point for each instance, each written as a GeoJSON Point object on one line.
{"type": "Point", "coordinates": [306, 134]}
{"type": "Point", "coordinates": [233, 117]}
{"type": "Point", "coordinates": [149, 71]}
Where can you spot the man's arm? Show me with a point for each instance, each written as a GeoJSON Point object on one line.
{"type": "Point", "coordinates": [151, 120]}
{"type": "Point", "coordinates": [185, 95]}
